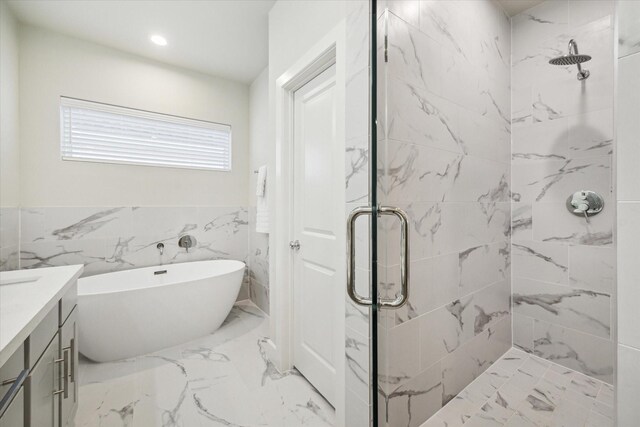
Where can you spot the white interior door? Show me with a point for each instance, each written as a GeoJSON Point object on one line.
{"type": "Point", "coordinates": [317, 212]}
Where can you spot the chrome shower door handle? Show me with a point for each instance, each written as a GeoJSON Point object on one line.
{"type": "Point", "coordinates": [403, 296]}
{"type": "Point", "coordinates": [351, 252]}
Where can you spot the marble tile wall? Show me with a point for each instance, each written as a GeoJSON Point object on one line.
{"type": "Point", "coordinates": [107, 239]}
{"type": "Point", "coordinates": [444, 158]}
{"type": "Point", "coordinates": [258, 264]}
{"type": "Point", "coordinates": [628, 191]}
{"type": "Point", "coordinates": [562, 141]}
{"type": "Point", "coordinates": [9, 238]}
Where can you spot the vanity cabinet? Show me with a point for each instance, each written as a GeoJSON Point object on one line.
{"type": "Point", "coordinates": [43, 388]}
{"type": "Point", "coordinates": [14, 414]}
{"type": "Point", "coordinates": [69, 375]}
{"type": "Point", "coordinates": [39, 382]}
{"type": "Point", "coordinates": [11, 390]}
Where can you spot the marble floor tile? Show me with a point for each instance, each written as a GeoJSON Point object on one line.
{"type": "Point", "coordinates": [523, 390]}
{"type": "Point", "coordinates": [221, 379]}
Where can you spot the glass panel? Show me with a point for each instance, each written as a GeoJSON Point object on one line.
{"type": "Point", "coordinates": [481, 141]}
{"type": "Point", "coordinates": [360, 192]}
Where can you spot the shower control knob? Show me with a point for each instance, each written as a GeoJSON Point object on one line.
{"type": "Point", "coordinates": [295, 245]}
{"type": "Point", "coordinates": [585, 203]}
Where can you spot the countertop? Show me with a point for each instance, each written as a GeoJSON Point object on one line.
{"type": "Point", "coordinates": [24, 305]}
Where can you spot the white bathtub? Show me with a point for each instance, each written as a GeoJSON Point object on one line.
{"type": "Point", "coordinates": [135, 312]}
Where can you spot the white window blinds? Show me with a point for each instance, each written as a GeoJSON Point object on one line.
{"type": "Point", "coordinates": [96, 132]}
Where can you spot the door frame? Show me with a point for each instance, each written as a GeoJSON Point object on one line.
{"type": "Point", "coordinates": [328, 51]}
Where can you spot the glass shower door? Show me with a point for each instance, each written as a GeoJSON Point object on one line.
{"type": "Point", "coordinates": [370, 222]}
{"type": "Point", "coordinates": [443, 158]}
{"type": "Point", "coordinates": [482, 134]}
{"type": "Point", "coordinates": [363, 214]}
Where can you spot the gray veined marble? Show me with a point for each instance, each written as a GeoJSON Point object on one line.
{"type": "Point", "coordinates": [357, 168]}
{"type": "Point", "coordinates": [585, 353]}
{"type": "Point", "coordinates": [412, 56]}
{"type": "Point", "coordinates": [552, 223]}
{"type": "Point", "coordinates": [417, 116]}
{"type": "Point", "coordinates": [86, 225]}
{"type": "Point", "coordinates": [583, 310]}
{"type": "Point", "coordinates": [420, 173]}
{"type": "Point", "coordinates": [555, 180]}
{"type": "Point", "coordinates": [483, 265]}
{"type": "Point", "coordinates": [521, 221]}
{"type": "Point", "coordinates": [222, 379]}
{"type": "Point", "coordinates": [548, 395]}
{"type": "Point", "coordinates": [111, 239]}
{"type": "Point", "coordinates": [548, 262]}
{"type": "Point", "coordinates": [417, 400]}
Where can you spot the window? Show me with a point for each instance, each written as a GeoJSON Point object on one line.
{"type": "Point", "coordinates": [104, 133]}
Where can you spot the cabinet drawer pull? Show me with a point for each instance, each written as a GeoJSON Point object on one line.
{"type": "Point", "coordinates": [13, 390]}
{"type": "Point", "coordinates": [73, 360]}
{"type": "Point", "coordinates": [65, 374]}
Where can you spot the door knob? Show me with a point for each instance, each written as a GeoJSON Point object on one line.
{"type": "Point", "coordinates": [295, 245]}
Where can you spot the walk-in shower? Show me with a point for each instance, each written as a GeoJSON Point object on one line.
{"type": "Point", "coordinates": [480, 140]}
{"type": "Point", "coordinates": [573, 58]}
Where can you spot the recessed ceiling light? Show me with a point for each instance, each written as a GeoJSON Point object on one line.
{"type": "Point", "coordinates": [158, 39]}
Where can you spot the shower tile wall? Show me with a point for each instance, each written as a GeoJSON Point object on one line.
{"type": "Point", "coordinates": [9, 238]}
{"type": "Point", "coordinates": [562, 142]}
{"type": "Point", "coordinates": [628, 191]}
{"type": "Point", "coordinates": [445, 159]}
{"type": "Point", "coordinates": [107, 239]}
{"type": "Point", "coordinates": [258, 264]}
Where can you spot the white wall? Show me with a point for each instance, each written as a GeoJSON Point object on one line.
{"type": "Point", "coordinates": [52, 65]}
{"type": "Point", "coordinates": [9, 150]}
{"type": "Point", "coordinates": [259, 155]}
{"type": "Point", "coordinates": [294, 27]}
{"type": "Point", "coordinates": [9, 142]}
{"type": "Point", "coordinates": [628, 155]}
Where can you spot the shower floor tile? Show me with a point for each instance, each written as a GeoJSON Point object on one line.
{"type": "Point", "coordinates": [221, 379]}
{"type": "Point", "coordinates": [527, 391]}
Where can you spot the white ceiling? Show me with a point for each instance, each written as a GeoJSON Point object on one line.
{"type": "Point", "coordinates": [226, 38]}
{"type": "Point", "coordinates": [513, 7]}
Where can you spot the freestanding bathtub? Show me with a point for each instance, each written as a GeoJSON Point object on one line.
{"type": "Point", "coordinates": [134, 312]}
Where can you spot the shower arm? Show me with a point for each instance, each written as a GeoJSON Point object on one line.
{"type": "Point", "coordinates": [573, 50]}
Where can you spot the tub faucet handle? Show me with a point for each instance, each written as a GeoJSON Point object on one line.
{"type": "Point", "coordinates": [160, 247]}
{"type": "Point", "coordinates": [186, 242]}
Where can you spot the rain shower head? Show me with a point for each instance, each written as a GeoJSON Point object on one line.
{"type": "Point", "coordinates": [570, 60]}
{"type": "Point", "coordinates": [573, 58]}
